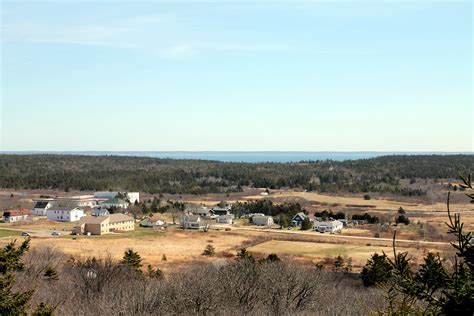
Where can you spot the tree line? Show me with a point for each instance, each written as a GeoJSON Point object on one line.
{"type": "Point", "coordinates": [154, 175]}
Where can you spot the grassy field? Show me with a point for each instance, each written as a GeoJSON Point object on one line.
{"type": "Point", "coordinates": [8, 233]}
{"type": "Point", "coordinates": [179, 247]}
{"type": "Point", "coordinates": [319, 252]}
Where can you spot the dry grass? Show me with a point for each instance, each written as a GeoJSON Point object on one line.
{"type": "Point", "coordinates": [359, 202]}
{"type": "Point", "coordinates": [180, 247]}
{"type": "Point", "coordinates": [317, 252]}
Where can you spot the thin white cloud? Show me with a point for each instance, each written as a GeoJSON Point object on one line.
{"type": "Point", "coordinates": [179, 51]}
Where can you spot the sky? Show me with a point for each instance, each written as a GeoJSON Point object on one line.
{"type": "Point", "coordinates": [236, 75]}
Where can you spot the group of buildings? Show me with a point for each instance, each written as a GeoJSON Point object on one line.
{"type": "Point", "coordinates": [99, 219]}
{"type": "Point", "coordinates": [73, 209]}
{"type": "Point", "coordinates": [199, 217]}
{"type": "Point", "coordinates": [330, 226]}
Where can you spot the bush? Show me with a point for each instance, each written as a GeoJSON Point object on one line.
{"type": "Point", "coordinates": [209, 251]}
{"type": "Point", "coordinates": [402, 219]}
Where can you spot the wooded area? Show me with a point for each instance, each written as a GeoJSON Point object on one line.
{"type": "Point", "coordinates": [153, 175]}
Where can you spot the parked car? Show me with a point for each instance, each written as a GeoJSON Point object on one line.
{"type": "Point", "coordinates": [25, 234]}
{"type": "Point", "coordinates": [56, 233]}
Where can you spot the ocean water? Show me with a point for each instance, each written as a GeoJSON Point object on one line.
{"type": "Point", "coordinates": [244, 156]}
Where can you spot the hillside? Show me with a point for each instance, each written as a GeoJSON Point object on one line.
{"type": "Point", "coordinates": [153, 175]}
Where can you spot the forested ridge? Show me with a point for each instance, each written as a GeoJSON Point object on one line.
{"type": "Point", "coordinates": [154, 175]}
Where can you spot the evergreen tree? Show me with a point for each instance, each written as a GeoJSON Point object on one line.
{"type": "Point", "coordinates": [273, 257]}
{"type": "Point", "coordinates": [132, 260]}
{"type": "Point", "coordinates": [338, 264]}
{"type": "Point", "coordinates": [434, 289]}
{"type": "Point", "coordinates": [152, 273]}
{"type": "Point", "coordinates": [402, 219]}
{"type": "Point", "coordinates": [243, 254]}
{"type": "Point", "coordinates": [306, 224]}
{"type": "Point", "coordinates": [209, 251]}
{"type": "Point", "coordinates": [12, 303]}
{"type": "Point", "coordinates": [51, 274]}
{"type": "Point", "coordinates": [43, 310]}
{"type": "Point", "coordinates": [376, 271]}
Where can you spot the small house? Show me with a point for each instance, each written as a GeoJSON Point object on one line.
{"type": "Point", "coordinates": [225, 219]}
{"type": "Point", "coordinates": [13, 216]}
{"type": "Point", "coordinates": [190, 221]}
{"type": "Point", "coordinates": [262, 220]}
{"type": "Point", "coordinates": [99, 211]}
{"type": "Point", "coordinates": [328, 226]}
{"type": "Point", "coordinates": [220, 211]}
{"type": "Point", "coordinates": [41, 207]}
{"type": "Point", "coordinates": [298, 219]}
{"type": "Point", "coordinates": [201, 211]}
{"type": "Point", "coordinates": [152, 221]}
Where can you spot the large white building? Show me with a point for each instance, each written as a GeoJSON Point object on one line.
{"type": "Point", "coordinates": [132, 196]}
{"type": "Point", "coordinates": [65, 214]}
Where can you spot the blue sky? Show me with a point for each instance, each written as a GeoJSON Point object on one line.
{"type": "Point", "coordinates": [229, 75]}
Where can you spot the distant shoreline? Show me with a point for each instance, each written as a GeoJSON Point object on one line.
{"type": "Point", "coordinates": [244, 156]}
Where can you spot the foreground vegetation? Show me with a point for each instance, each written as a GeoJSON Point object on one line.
{"type": "Point", "coordinates": [153, 175]}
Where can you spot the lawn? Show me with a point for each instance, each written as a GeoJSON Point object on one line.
{"type": "Point", "coordinates": [8, 233]}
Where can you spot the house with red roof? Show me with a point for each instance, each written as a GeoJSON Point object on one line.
{"type": "Point", "coordinates": [12, 216]}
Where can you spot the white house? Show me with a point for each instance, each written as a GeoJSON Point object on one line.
{"type": "Point", "coordinates": [152, 221]}
{"type": "Point", "coordinates": [12, 216]}
{"type": "Point", "coordinates": [99, 211]}
{"type": "Point", "coordinates": [41, 206]}
{"type": "Point", "coordinates": [131, 196]}
{"type": "Point", "coordinates": [328, 227]}
{"type": "Point", "coordinates": [193, 222]}
{"type": "Point", "coordinates": [65, 214]}
{"type": "Point", "coordinates": [262, 220]}
{"type": "Point", "coordinates": [225, 219]}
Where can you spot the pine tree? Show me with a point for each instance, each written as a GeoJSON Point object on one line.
{"type": "Point", "coordinates": [338, 264]}
{"type": "Point", "coordinates": [51, 274]}
{"type": "Point", "coordinates": [306, 224]}
{"type": "Point", "coordinates": [12, 303]}
{"type": "Point", "coordinates": [376, 271]}
{"type": "Point", "coordinates": [152, 273]}
{"type": "Point", "coordinates": [43, 310]}
{"type": "Point", "coordinates": [434, 289]}
{"type": "Point", "coordinates": [243, 254]}
{"type": "Point", "coordinates": [209, 251]}
{"type": "Point", "coordinates": [132, 260]}
{"type": "Point", "coordinates": [273, 257]}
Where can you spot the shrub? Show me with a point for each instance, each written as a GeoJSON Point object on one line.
{"type": "Point", "coordinates": [209, 251]}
